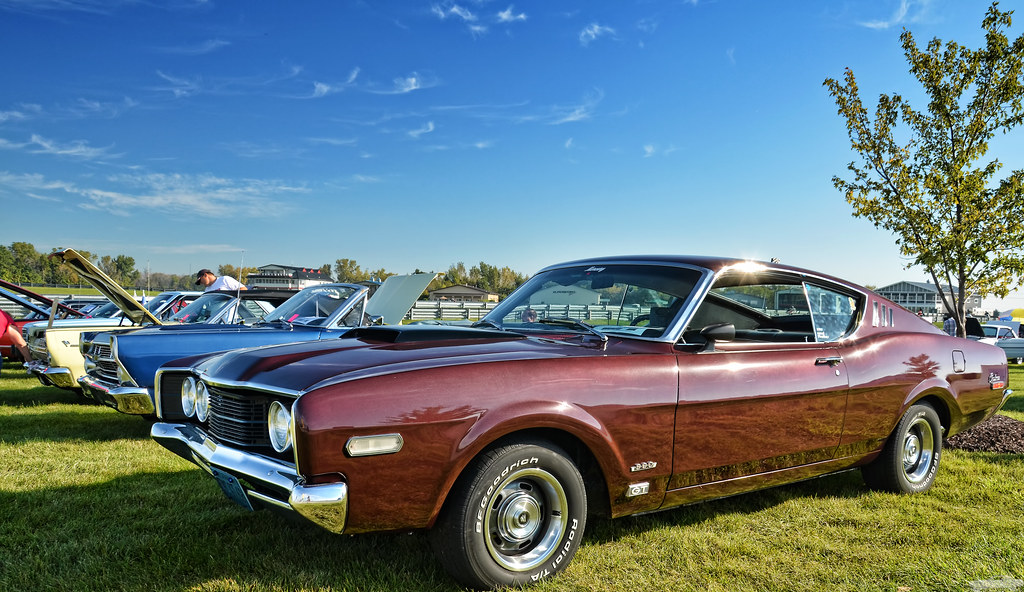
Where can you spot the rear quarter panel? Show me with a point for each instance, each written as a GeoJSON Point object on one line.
{"type": "Point", "coordinates": [890, 371]}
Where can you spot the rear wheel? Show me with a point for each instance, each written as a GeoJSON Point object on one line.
{"type": "Point", "coordinates": [910, 459]}
{"type": "Point", "coordinates": [515, 518]}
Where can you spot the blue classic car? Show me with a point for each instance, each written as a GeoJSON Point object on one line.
{"type": "Point", "coordinates": [121, 366]}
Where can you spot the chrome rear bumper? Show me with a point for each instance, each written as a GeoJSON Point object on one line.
{"type": "Point", "coordinates": [263, 479]}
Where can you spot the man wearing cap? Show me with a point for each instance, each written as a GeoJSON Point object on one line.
{"type": "Point", "coordinates": [212, 282]}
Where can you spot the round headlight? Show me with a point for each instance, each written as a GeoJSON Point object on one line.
{"type": "Point", "coordinates": [279, 424]}
{"type": "Point", "coordinates": [202, 401]}
{"type": "Point", "coordinates": [188, 397]}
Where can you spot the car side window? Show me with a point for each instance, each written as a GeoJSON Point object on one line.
{"type": "Point", "coordinates": [762, 308]}
{"type": "Point", "coordinates": [833, 313]}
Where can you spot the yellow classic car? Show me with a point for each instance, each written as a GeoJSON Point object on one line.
{"type": "Point", "coordinates": [54, 344]}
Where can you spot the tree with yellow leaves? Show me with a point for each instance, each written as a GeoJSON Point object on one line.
{"type": "Point", "coordinates": [921, 176]}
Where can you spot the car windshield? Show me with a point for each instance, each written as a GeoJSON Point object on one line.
{"type": "Point", "coordinates": [203, 308]}
{"type": "Point", "coordinates": [154, 303]}
{"type": "Point", "coordinates": [104, 311]}
{"type": "Point", "coordinates": [637, 300]}
{"type": "Point", "coordinates": [314, 306]}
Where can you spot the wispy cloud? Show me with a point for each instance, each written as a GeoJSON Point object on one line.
{"type": "Point", "coordinates": [901, 15]}
{"type": "Point", "coordinates": [650, 150]}
{"type": "Point", "coordinates": [255, 150]}
{"type": "Point", "coordinates": [476, 25]}
{"type": "Point", "coordinates": [450, 10]}
{"type": "Point", "coordinates": [52, 6]}
{"type": "Point", "coordinates": [184, 87]}
{"type": "Point", "coordinates": [86, 108]}
{"type": "Point", "coordinates": [406, 84]}
{"type": "Point", "coordinates": [13, 116]}
{"type": "Point", "coordinates": [322, 89]}
{"type": "Point", "coordinates": [578, 112]}
{"type": "Point", "coordinates": [593, 32]}
{"type": "Point", "coordinates": [179, 87]}
{"type": "Point", "coordinates": [333, 141]}
{"type": "Point", "coordinates": [425, 129]}
{"type": "Point", "coordinates": [176, 195]}
{"type": "Point", "coordinates": [202, 48]}
{"type": "Point", "coordinates": [508, 16]}
{"type": "Point", "coordinates": [79, 149]}
{"type": "Point", "coordinates": [191, 249]}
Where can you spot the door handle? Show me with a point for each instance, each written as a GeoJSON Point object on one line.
{"type": "Point", "coordinates": [831, 361]}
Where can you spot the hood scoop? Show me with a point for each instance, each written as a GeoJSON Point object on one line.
{"type": "Point", "coordinates": [420, 333]}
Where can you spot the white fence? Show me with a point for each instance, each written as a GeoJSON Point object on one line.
{"type": "Point", "coordinates": [425, 310]}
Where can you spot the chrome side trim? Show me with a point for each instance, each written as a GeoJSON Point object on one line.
{"type": "Point", "coordinates": [325, 505]}
{"type": "Point", "coordinates": [129, 400]}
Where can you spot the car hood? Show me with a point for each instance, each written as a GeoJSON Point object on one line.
{"type": "Point", "coordinates": [397, 295]}
{"type": "Point", "coordinates": [36, 328]}
{"type": "Point", "coordinates": [371, 351]}
{"type": "Point", "coordinates": [108, 287]}
{"type": "Point", "coordinates": [37, 302]}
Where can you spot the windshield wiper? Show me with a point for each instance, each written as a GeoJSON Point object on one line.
{"type": "Point", "coordinates": [487, 323]}
{"type": "Point", "coordinates": [574, 324]}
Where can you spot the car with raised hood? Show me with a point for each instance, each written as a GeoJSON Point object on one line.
{"type": "Point", "coordinates": [54, 344]}
{"type": "Point", "coordinates": [121, 366]}
{"type": "Point", "coordinates": [610, 386]}
{"type": "Point", "coordinates": [26, 306]}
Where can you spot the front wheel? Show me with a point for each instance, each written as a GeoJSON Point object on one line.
{"type": "Point", "coordinates": [515, 518]}
{"type": "Point", "coordinates": [910, 459]}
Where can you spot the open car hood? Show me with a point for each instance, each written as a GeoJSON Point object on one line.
{"type": "Point", "coordinates": [108, 287]}
{"type": "Point", "coordinates": [397, 295]}
{"type": "Point", "coordinates": [36, 302]}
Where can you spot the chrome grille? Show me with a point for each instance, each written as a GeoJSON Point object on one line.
{"type": "Point", "coordinates": [100, 352]}
{"type": "Point", "coordinates": [107, 370]}
{"type": "Point", "coordinates": [240, 420]}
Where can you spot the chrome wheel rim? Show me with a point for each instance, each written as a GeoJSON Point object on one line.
{"type": "Point", "coordinates": [525, 519]}
{"type": "Point", "coordinates": [918, 450]}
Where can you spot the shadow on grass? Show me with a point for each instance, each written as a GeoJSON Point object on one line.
{"type": "Point", "coordinates": [57, 425]}
{"type": "Point", "coordinates": [847, 484]}
{"type": "Point", "coordinates": [1014, 404]}
{"type": "Point", "coordinates": [176, 531]}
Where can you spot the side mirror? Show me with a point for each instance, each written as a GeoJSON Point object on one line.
{"type": "Point", "coordinates": [723, 332]}
{"type": "Point", "coordinates": [375, 320]}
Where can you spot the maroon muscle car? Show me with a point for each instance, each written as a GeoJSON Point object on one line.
{"type": "Point", "coordinates": [607, 386]}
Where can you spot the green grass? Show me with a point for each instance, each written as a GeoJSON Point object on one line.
{"type": "Point", "coordinates": [88, 502]}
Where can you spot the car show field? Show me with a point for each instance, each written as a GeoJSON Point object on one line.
{"type": "Point", "coordinates": [89, 502]}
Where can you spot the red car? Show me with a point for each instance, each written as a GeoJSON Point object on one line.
{"type": "Point", "coordinates": [606, 386]}
{"type": "Point", "coordinates": [25, 306]}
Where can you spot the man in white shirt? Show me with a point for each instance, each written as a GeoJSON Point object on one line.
{"type": "Point", "coordinates": [212, 282]}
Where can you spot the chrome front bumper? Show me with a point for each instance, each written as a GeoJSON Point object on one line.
{"type": "Point", "coordinates": [59, 377]}
{"type": "Point", "coordinates": [130, 400]}
{"type": "Point", "coordinates": [262, 479]}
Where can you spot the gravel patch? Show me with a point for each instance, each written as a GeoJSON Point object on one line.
{"type": "Point", "coordinates": [997, 434]}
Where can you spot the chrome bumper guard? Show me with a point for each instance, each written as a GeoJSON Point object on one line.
{"type": "Point", "coordinates": [58, 377]}
{"type": "Point", "coordinates": [325, 505]}
{"type": "Point", "coordinates": [130, 400]}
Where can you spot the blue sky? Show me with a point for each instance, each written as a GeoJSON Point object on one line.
{"type": "Point", "coordinates": [415, 134]}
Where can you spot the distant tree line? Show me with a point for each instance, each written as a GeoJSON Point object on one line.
{"type": "Point", "coordinates": [21, 263]}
